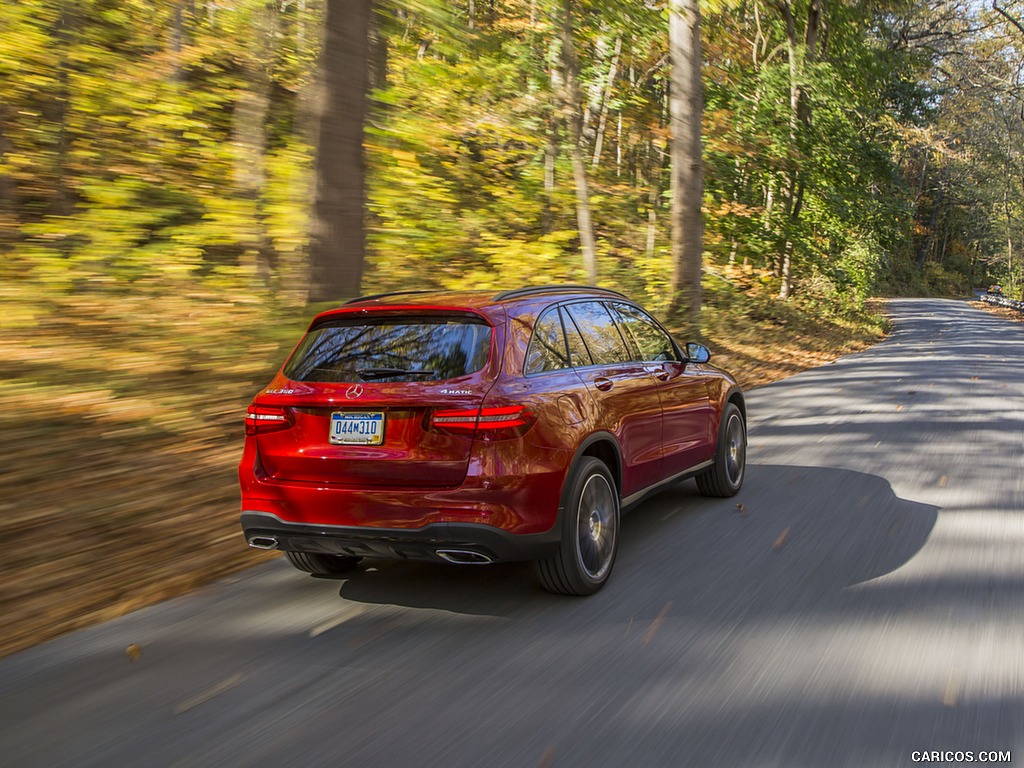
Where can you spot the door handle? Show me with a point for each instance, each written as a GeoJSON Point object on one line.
{"type": "Point", "coordinates": [658, 371]}
{"type": "Point", "coordinates": [604, 384]}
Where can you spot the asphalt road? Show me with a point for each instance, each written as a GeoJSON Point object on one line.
{"type": "Point", "coordinates": [864, 603]}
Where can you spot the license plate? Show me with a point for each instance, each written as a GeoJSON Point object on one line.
{"type": "Point", "coordinates": [362, 428]}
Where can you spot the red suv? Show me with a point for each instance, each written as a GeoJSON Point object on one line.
{"type": "Point", "coordinates": [474, 427]}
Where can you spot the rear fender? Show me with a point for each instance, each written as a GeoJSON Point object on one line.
{"type": "Point", "coordinates": [601, 445]}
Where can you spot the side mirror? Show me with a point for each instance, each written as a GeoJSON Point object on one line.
{"type": "Point", "coordinates": [697, 353]}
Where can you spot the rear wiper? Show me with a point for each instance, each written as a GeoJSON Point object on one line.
{"type": "Point", "coordinates": [367, 374]}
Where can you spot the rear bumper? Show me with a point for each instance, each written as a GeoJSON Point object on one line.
{"type": "Point", "coordinates": [489, 543]}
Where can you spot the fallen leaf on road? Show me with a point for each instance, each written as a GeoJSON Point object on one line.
{"type": "Point", "coordinates": [133, 652]}
{"type": "Point", "coordinates": [742, 510]}
{"type": "Point", "coordinates": [210, 693]}
{"type": "Point", "coordinates": [899, 407]}
{"type": "Point", "coordinates": [951, 694]}
{"type": "Point", "coordinates": [780, 542]}
{"type": "Point", "coordinates": [547, 758]}
{"type": "Point", "coordinates": [657, 623]}
{"type": "Point", "coordinates": [943, 481]}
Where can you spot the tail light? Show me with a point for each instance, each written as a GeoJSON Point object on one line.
{"type": "Point", "coordinates": [260, 419]}
{"type": "Point", "coordinates": [498, 423]}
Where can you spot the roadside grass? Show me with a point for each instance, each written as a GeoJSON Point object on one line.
{"type": "Point", "coordinates": [121, 427]}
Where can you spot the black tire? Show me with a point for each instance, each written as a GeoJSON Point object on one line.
{"type": "Point", "coordinates": [322, 565]}
{"type": "Point", "coordinates": [590, 532]}
{"type": "Point", "coordinates": [725, 476]}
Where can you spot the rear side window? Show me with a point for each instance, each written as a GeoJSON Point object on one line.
{"type": "Point", "coordinates": [579, 357]}
{"type": "Point", "coordinates": [391, 349]}
{"type": "Point", "coordinates": [547, 346]}
{"type": "Point", "coordinates": [599, 332]}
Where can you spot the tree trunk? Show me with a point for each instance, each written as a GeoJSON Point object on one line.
{"type": "Point", "coordinates": [572, 102]}
{"type": "Point", "coordinates": [929, 242]}
{"type": "Point", "coordinates": [378, 55]}
{"type": "Point", "coordinates": [588, 245]}
{"type": "Point", "coordinates": [179, 34]}
{"type": "Point", "coordinates": [618, 145]}
{"type": "Point", "coordinates": [652, 223]}
{"type": "Point", "coordinates": [9, 224]}
{"type": "Point", "coordinates": [787, 253]}
{"type": "Point", "coordinates": [738, 184]}
{"type": "Point", "coordinates": [799, 123]}
{"type": "Point", "coordinates": [338, 234]}
{"type": "Point", "coordinates": [606, 97]}
{"type": "Point", "coordinates": [250, 139]}
{"type": "Point", "coordinates": [599, 57]}
{"type": "Point", "coordinates": [686, 111]}
{"type": "Point", "coordinates": [1009, 244]}
{"type": "Point", "coordinates": [300, 28]}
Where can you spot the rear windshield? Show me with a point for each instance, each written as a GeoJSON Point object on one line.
{"type": "Point", "coordinates": [391, 349]}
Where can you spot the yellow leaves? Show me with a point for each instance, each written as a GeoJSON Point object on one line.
{"type": "Point", "coordinates": [730, 208]}
{"type": "Point", "coordinates": [407, 159]}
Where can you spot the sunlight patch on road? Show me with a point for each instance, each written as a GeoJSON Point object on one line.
{"type": "Point", "coordinates": [968, 545]}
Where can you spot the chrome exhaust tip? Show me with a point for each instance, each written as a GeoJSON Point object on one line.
{"type": "Point", "coordinates": [263, 542]}
{"type": "Point", "coordinates": [463, 557]}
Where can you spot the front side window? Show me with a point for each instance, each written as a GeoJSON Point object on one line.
{"type": "Point", "coordinates": [390, 349]}
{"type": "Point", "coordinates": [599, 332]}
{"type": "Point", "coordinates": [651, 341]}
{"type": "Point", "coordinates": [546, 351]}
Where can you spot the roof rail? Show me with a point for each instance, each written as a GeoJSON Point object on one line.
{"type": "Point", "coordinates": [373, 296]}
{"type": "Point", "coordinates": [517, 292]}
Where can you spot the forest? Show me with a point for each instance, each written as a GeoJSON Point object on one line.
{"type": "Point", "coordinates": [167, 224]}
{"type": "Point", "coordinates": [850, 148]}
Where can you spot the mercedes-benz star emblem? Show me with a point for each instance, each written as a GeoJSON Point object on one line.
{"type": "Point", "coordinates": [353, 392]}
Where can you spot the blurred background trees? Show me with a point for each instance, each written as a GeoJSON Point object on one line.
{"type": "Point", "coordinates": [849, 147]}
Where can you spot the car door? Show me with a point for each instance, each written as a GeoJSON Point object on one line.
{"type": "Point", "coordinates": [556, 390]}
{"type": "Point", "coordinates": [685, 399]}
{"type": "Point", "coordinates": [624, 392]}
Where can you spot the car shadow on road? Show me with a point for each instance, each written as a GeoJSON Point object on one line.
{"type": "Point", "coordinates": [794, 534]}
